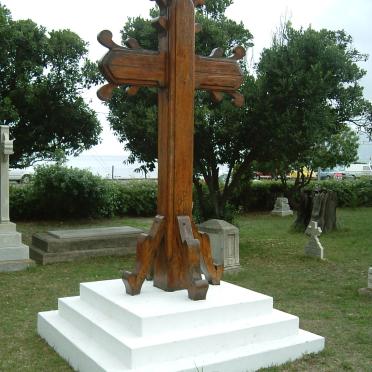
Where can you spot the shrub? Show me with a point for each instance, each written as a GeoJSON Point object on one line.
{"type": "Point", "coordinates": [135, 198]}
{"type": "Point", "coordinates": [63, 192]}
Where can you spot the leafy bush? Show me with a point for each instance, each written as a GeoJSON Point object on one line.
{"type": "Point", "coordinates": [261, 195]}
{"type": "Point", "coordinates": [70, 192]}
{"type": "Point", "coordinates": [59, 192]}
{"type": "Point", "coordinates": [135, 198]}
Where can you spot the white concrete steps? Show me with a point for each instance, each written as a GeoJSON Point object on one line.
{"type": "Point", "coordinates": [80, 350]}
{"type": "Point", "coordinates": [160, 331]}
{"type": "Point", "coordinates": [145, 314]}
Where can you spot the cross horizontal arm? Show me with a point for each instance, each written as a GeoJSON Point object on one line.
{"type": "Point", "coordinates": [217, 74]}
{"type": "Point", "coordinates": [134, 67]}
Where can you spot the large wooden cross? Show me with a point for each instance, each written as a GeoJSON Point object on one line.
{"type": "Point", "coordinates": [174, 253]}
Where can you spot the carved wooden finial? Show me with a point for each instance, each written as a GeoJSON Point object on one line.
{"type": "Point", "coordinates": [105, 38]}
{"type": "Point", "coordinates": [160, 23]}
{"type": "Point", "coordinates": [237, 99]}
{"type": "Point", "coordinates": [217, 53]}
{"type": "Point", "coordinates": [198, 27]}
{"type": "Point", "coordinates": [132, 90]}
{"type": "Point", "coordinates": [132, 43]}
{"type": "Point", "coordinates": [217, 96]}
{"type": "Point", "coordinates": [105, 93]}
{"type": "Point", "coordinates": [198, 2]}
{"type": "Point", "coordinates": [238, 53]}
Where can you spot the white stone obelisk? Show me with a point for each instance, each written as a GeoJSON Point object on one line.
{"type": "Point", "coordinates": [13, 254]}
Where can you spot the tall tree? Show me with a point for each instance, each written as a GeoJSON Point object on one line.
{"type": "Point", "coordinates": [135, 119]}
{"type": "Point", "coordinates": [310, 93]}
{"type": "Point", "coordinates": [42, 77]}
{"type": "Point", "coordinates": [305, 93]}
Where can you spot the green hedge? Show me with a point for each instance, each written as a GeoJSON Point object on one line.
{"type": "Point", "coordinates": [58, 192]}
{"type": "Point", "coordinates": [260, 196]}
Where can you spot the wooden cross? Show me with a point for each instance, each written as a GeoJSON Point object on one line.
{"type": "Point", "coordinates": [174, 253]}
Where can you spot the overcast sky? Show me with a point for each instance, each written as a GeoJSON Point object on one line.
{"type": "Point", "coordinates": [261, 17]}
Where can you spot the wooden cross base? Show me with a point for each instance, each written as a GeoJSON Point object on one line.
{"type": "Point", "coordinates": [171, 273]}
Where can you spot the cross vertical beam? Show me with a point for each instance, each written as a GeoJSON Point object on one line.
{"type": "Point", "coordinates": [175, 128]}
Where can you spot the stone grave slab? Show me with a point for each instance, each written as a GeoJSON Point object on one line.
{"type": "Point", "coordinates": [70, 245]}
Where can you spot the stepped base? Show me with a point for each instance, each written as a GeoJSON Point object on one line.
{"type": "Point", "coordinates": [15, 265]}
{"type": "Point", "coordinates": [235, 329]}
{"type": "Point", "coordinates": [14, 256]}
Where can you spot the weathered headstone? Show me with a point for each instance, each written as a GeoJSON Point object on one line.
{"type": "Point", "coordinates": [367, 291]}
{"type": "Point", "coordinates": [14, 255]}
{"type": "Point", "coordinates": [282, 208]}
{"type": "Point", "coordinates": [224, 239]}
{"type": "Point", "coordinates": [320, 206]}
{"type": "Point", "coordinates": [71, 245]}
{"type": "Point", "coordinates": [314, 248]}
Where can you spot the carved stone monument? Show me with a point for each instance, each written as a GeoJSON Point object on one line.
{"type": "Point", "coordinates": [234, 329]}
{"type": "Point", "coordinates": [282, 208]}
{"type": "Point", "coordinates": [314, 248]}
{"type": "Point", "coordinates": [224, 239]}
{"type": "Point", "coordinates": [367, 291]}
{"type": "Point", "coordinates": [14, 255]}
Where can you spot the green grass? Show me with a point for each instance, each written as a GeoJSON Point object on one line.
{"type": "Point", "coordinates": [322, 293]}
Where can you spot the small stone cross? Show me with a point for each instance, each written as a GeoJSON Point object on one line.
{"type": "Point", "coordinates": [6, 149]}
{"type": "Point", "coordinates": [313, 230]}
{"type": "Point", "coordinates": [314, 248]}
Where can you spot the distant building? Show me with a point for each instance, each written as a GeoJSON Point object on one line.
{"type": "Point", "coordinates": [365, 148]}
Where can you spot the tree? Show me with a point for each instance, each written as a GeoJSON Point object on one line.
{"type": "Point", "coordinates": [42, 76]}
{"type": "Point", "coordinates": [310, 94]}
{"type": "Point", "coordinates": [134, 119]}
{"type": "Point", "coordinates": [299, 105]}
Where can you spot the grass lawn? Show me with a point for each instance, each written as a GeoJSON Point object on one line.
{"type": "Point", "coordinates": [322, 293]}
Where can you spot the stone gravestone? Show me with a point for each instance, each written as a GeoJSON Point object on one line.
{"type": "Point", "coordinates": [282, 208]}
{"type": "Point", "coordinates": [314, 248]}
{"type": "Point", "coordinates": [14, 255]}
{"type": "Point", "coordinates": [224, 239]}
{"type": "Point", "coordinates": [367, 291]}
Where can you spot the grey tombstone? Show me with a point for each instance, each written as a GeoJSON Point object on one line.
{"type": "Point", "coordinates": [224, 239]}
{"type": "Point", "coordinates": [314, 248]}
{"type": "Point", "coordinates": [14, 255]}
{"type": "Point", "coordinates": [282, 208]}
{"type": "Point", "coordinates": [367, 291]}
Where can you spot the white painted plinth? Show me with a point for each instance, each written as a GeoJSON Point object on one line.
{"type": "Point", "coordinates": [235, 329]}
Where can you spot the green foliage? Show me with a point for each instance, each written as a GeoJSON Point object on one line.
{"type": "Point", "coordinates": [135, 198]}
{"type": "Point", "coordinates": [42, 75]}
{"type": "Point", "coordinates": [309, 92]}
{"type": "Point", "coordinates": [64, 192]}
{"type": "Point", "coordinates": [261, 196]}
{"type": "Point", "coordinates": [297, 111]}
{"type": "Point", "coordinates": [58, 192]}
{"type": "Point", "coordinates": [353, 194]}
